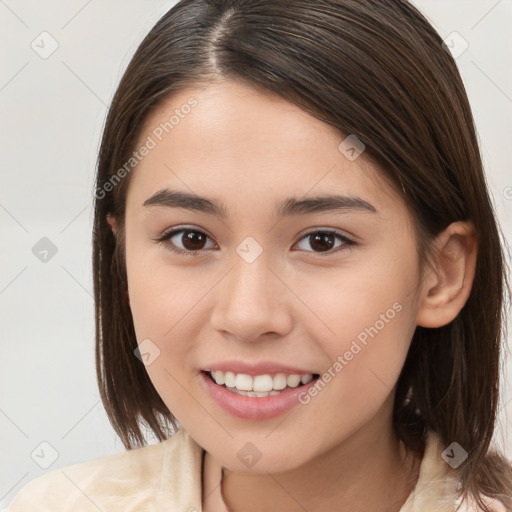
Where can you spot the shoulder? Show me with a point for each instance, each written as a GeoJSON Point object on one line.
{"type": "Point", "coordinates": [138, 477]}
{"type": "Point", "coordinates": [437, 487]}
{"type": "Point", "coordinates": [470, 505]}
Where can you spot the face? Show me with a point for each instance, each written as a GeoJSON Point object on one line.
{"type": "Point", "coordinates": [307, 289]}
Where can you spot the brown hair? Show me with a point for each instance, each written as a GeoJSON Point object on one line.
{"type": "Point", "coordinates": [366, 67]}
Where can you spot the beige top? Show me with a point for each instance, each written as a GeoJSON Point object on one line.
{"type": "Point", "coordinates": [178, 475]}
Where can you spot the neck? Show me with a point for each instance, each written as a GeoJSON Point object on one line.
{"type": "Point", "coordinates": [371, 470]}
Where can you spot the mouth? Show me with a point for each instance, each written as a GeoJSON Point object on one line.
{"type": "Point", "coordinates": [259, 386]}
{"type": "Point", "coordinates": [259, 398]}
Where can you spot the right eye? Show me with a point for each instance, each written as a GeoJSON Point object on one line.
{"type": "Point", "coordinates": [192, 240]}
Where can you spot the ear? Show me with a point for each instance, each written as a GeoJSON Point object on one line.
{"type": "Point", "coordinates": [446, 286]}
{"type": "Point", "coordinates": [112, 222]}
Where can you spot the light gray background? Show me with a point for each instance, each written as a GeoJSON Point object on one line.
{"type": "Point", "coordinates": [51, 116]}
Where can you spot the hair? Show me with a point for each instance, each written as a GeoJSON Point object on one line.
{"type": "Point", "coordinates": [374, 69]}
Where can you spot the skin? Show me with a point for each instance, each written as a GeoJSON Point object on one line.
{"type": "Point", "coordinates": [250, 149]}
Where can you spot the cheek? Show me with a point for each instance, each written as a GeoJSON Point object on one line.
{"type": "Point", "coordinates": [162, 299]}
{"type": "Point", "coordinates": [162, 302]}
{"type": "Point", "coordinates": [363, 297]}
{"type": "Point", "coordinates": [161, 295]}
{"type": "Point", "coordinates": [367, 319]}
{"type": "Point", "coordinates": [168, 304]}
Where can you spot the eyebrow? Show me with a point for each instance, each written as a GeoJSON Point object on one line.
{"type": "Point", "coordinates": [292, 206]}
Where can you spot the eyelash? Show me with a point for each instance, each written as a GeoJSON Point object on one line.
{"type": "Point", "coordinates": [165, 237]}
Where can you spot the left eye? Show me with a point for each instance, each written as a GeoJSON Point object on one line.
{"type": "Point", "coordinates": [325, 241]}
{"type": "Point", "coordinates": [193, 241]}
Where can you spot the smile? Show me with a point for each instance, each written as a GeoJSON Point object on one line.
{"type": "Point", "coordinates": [251, 404]}
{"type": "Point", "coordinates": [259, 385]}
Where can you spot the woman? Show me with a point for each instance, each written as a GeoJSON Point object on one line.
{"type": "Point", "coordinates": [297, 267]}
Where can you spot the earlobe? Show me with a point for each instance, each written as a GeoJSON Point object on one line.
{"type": "Point", "coordinates": [112, 222]}
{"type": "Point", "coordinates": [446, 286]}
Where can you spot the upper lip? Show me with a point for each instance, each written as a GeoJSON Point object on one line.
{"type": "Point", "coordinates": [259, 368]}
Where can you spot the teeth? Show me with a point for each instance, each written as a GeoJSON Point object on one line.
{"type": "Point", "coordinates": [279, 381]}
{"type": "Point", "coordinates": [218, 377]}
{"type": "Point", "coordinates": [260, 385]}
{"type": "Point", "coordinates": [244, 383]}
{"type": "Point", "coordinates": [306, 378]}
{"type": "Point", "coordinates": [229, 379]}
{"type": "Point", "coordinates": [252, 393]}
{"type": "Point", "coordinates": [293, 380]}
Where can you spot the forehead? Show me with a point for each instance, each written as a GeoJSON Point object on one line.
{"type": "Point", "coordinates": [219, 137]}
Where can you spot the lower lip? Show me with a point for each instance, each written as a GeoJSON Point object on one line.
{"type": "Point", "coordinates": [254, 408]}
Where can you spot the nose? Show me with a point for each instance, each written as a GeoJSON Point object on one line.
{"type": "Point", "coordinates": [251, 301]}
